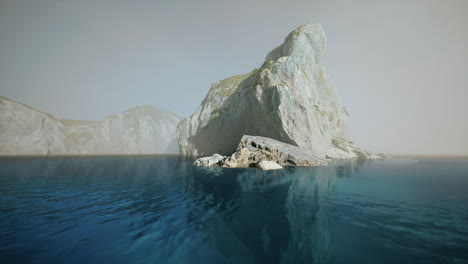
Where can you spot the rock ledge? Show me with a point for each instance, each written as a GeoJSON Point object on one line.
{"type": "Point", "coordinates": [264, 153]}
{"type": "Point", "coordinates": [268, 165]}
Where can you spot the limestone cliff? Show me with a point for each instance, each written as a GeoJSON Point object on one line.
{"type": "Point", "coordinates": [142, 130]}
{"type": "Point", "coordinates": [290, 98]}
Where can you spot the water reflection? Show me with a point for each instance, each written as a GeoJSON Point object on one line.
{"type": "Point", "coordinates": [267, 216]}
{"type": "Point", "coordinates": [164, 210]}
{"type": "Point", "coordinates": [346, 168]}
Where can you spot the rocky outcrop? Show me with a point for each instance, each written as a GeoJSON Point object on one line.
{"type": "Point", "coordinates": [143, 130]}
{"type": "Point", "coordinates": [290, 98]}
{"type": "Point", "coordinates": [252, 150]}
{"type": "Point", "coordinates": [268, 165]}
{"type": "Point", "coordinates": [345, 149]}
{"type": "Point", "coordinates": [209, 161]}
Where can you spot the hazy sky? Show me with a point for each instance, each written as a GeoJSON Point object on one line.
{"type": "Point", "coordinates": [401, 67]}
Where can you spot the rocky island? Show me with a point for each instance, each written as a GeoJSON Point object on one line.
{"type": "Point", "coordinates": [290, 100]}
{"type": "Point", "coordinates": [286, 113]}
{"type": "Point", "coordinates": [264, 153]}
{"type": "Point", "coordinates": [142, 130]}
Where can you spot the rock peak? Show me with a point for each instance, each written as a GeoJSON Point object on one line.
{"type": "Point", "coordinates": [306, 42]}
{"type": "Point", "coordinates": [290, 99]}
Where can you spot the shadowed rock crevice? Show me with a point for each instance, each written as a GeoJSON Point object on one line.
{"type": "Point", "coordinates": [228, 122]}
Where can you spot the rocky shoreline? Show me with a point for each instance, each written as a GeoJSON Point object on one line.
{"type": "Point", "coordinates": [263, 153]}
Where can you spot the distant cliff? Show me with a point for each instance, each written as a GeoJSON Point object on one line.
{"type": "Point", "coordinates": [290, 98]}
{"type": "Point", "coordinates": [142, 130]}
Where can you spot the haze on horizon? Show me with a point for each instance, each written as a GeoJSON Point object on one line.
{"type": "Point", "coordinates": [400, 66]}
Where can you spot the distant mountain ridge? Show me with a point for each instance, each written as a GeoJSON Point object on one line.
{"type": "Point", "coordinates": [141, 130]}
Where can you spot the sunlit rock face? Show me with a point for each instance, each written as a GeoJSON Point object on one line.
{"type": "Point", "coordinates": [290, 98]}
{"type": "Point", "coordinates": [142, 130]}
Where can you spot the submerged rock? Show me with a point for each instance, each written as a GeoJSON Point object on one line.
{"type": "Point", "coordinates": [268, 165]}
{"type": "Point", "coordinates": [290, 98]}
{"type": "Point", "coordinates": [254, 149]}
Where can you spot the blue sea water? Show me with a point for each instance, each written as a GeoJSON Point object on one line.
{"type": "Point", "coordinates": [161, 209]}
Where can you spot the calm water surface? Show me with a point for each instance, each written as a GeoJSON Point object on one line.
{"type": "Point", "coordinates": [159, 209]}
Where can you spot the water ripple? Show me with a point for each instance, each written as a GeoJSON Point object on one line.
{"type": "Point", "coordinates": [163, 210]}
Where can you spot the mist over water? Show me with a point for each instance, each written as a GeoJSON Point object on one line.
{"type": "Point", "coordinates": [399, 66]}
{"type": "Point", "coordinates": [160, 209]}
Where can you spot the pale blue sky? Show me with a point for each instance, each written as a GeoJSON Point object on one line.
{"type": "Point", "coordinates": [400, 66]}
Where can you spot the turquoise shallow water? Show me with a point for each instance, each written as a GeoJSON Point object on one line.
{"type": "Point", "coordinates": [160, 209]}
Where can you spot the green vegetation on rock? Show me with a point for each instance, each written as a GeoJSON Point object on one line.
{"type": "Point", "coordinates": [228, 86]}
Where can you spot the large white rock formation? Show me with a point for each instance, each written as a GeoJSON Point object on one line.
{"type": "Point", "coordinates": [290, 98]}
{"type": "Point", "coordinates": [143, 130]}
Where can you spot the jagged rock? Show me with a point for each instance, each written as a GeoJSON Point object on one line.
{"type": "Point", "coordinates": [143, 130]}
{"type": "Point", "coordinates": [240, 158]}
{"type": "Point", "coordinates": [290, 98]}
{"type": "Point", "coordinates": [229, 163]}
{"type": "Point", "coordinates": [268, 165]}
{"type": "Point", "coordinates": [254, 149]}
{"type": "Point", "coordinates": [262, 148]}
{"type": "Point", "coordinates": [209, 161]}
{"type": "Point", "coordinates": [345, 149]}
